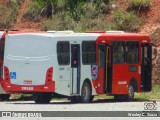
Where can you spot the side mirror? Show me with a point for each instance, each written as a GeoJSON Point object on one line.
{"type": "Point", "coordinates": [154, 53]}
{"type": "Point", "coordinates": [154, 49]}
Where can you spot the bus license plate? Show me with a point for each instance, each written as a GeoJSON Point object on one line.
{"type": "Point", "coordinates": [27, 88]}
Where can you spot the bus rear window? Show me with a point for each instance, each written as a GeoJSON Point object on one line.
{"type": "Point", "coordinates": [22, 46]}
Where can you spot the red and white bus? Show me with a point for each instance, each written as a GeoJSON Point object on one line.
{"type": "Point", "coordinates": [3, 94]}
{"type": "Point", "coordinates": [78, 65]}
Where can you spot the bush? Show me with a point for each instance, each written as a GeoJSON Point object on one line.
{"type": "Point", "coordinates": [80, 16]}
{"type": "Point", "coordinates": [139, 5]}
{"type": "Point", "coordinates": [34, 11]}
{"type": "Point", "coordinates": [63, 21]}
{"type": "Point", "coordinates": [126, 21]}
{"type": "Point", "coordinates": [60, 21]}
{"type": "Point", "coordinates": [43, 8]}
{"type": "Point", "coordinates": [8, 14]}
{"type": "Point", "coordinates": [88, 24]}
{"type": "Point", "coordinates": [76, 9]}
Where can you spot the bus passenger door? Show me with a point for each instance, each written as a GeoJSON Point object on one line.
{"type": "Point", "coordinates": [120, 71]}
{"type": "Point", "coordinates": [75, 65]}
{"type": "Point", "coordinates": [146, 81]}
{"type": "Point", "coordinates": [105, 76]}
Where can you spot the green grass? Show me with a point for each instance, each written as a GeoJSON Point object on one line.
{"type": "Point", "coordinates": [103, 97]}
{"type": "Point", "coordinates": [21, 97]}
{"type": "Point", "coordinates": [154, 94]}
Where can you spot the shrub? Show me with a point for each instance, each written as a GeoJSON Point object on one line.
{"type": "Point", "coordinates": [43, 8]}
{"type": "Point", "coordinates": [80, 15]}
{"type": "Point", "coordinates": [76, 9]}
{"type": "Point", "coordinates": [126, 21]}
{"type": "Point", "coordinates": [34, 11]}
{"type": "Point", "coordinates": [92, 24]}
{"type": "Point", "coordinates": [84, 24]}
{"type": "Point", "coordinates": [61, 21]}
{"type": "Point", "coordinates": [8, 14]}
{"type": "Point", "coordinates": [139, 5]}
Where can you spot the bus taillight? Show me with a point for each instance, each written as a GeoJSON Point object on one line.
{"type": "Point", "coordinates": [49, 74]}
{"type": "Point", "coordinates": [6, 73]}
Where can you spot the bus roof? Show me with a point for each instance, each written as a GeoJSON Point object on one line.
{"type": "Point", "coordinates": [124, 36]}
{"type": "Point", "coordinates": [45, 34]}
{"type": "Point", "coordinates": [101, 36]}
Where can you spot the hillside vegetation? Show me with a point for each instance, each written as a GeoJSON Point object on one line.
{"type": "Point", "coordinates": [82, 15]}
{"type": "Point", "coordinates": [78, 15]}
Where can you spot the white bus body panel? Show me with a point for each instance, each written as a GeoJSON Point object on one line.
{"type": "Point", "coordinates": [30, 55]}
{"type": "Point", "coordinates": [85, 69]}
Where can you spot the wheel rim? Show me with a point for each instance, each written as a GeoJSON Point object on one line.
{"type": "Point", "coordinates": [131, 91]}
{"type": "Point", "coordinates": [85, 92]}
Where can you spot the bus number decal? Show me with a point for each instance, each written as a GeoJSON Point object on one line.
{"type": "Point", "coordinates": [94, 70]}
{"type": "Point", "coordinates": [122, 82]}
{"type": "Point", "coordinates": [61, 68]}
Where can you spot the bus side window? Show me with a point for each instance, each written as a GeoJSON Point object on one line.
{"type": "Point", "coordinates": [146, 58]}
{"type": "Point", "coordinates": [63, 52]}
{"type": "Point", "coordinates": [132, 52]}
{"type": "Point", "coordinates": [102, 55]}
{"type": "Point", "coordinates": [88, 52]}
{"type": "Point", "coordinates": [118, 52]}
{"type": "Point", "coordinates": [1, 50]}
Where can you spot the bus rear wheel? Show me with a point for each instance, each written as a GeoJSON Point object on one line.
{"type": "Point", "coordinates": [4, 97]}
{"type": "Point", "coordinates": [91, 98]}
{"type": "Point", "coordinates": [130, 95]}
{"type": "Point", "coordinates": [86, 93]}
{"type": "Point", "coordinates": [42, 98]}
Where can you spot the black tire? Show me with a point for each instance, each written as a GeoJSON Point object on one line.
{"type": "Point", "coordinates": [37, 97]}
{"type": "Point", "coordinates": [4, 97]}
{"type": "Point", "coordinates": [42, 98]}
{"type": "Point", "coordinates": [130, 95]}
{"type": "Point", "coordinates": [86, 93]}
{"type": "Point", "coordinates": [91, 99]}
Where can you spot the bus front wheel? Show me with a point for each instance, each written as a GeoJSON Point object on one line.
{"type": "Point", "coordinates": [86, 93]}
{"type": "Point", "coordinates": [127, 97]}
{"type": "Point", "coordinates": [42, 97]}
